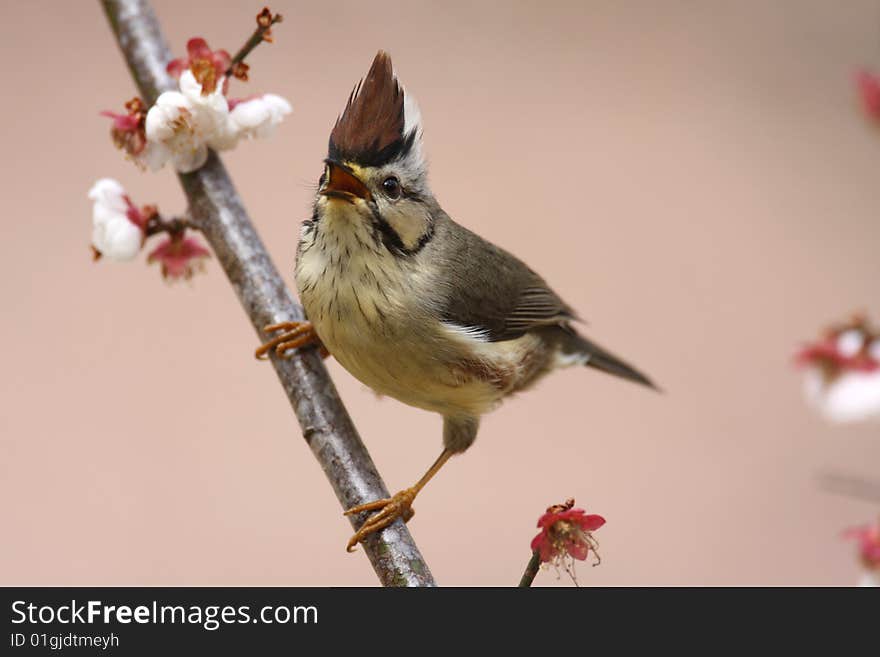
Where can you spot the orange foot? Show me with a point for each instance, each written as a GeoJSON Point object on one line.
{"type": "Point", "coordinates": [389, 510]}
{"type": "Point", "coordinates": [295, 336]}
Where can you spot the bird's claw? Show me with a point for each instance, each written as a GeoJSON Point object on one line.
{"type": "Point", "coordinates": [387, 511]}
{"type": "Point", "coordinates": [295, 336]}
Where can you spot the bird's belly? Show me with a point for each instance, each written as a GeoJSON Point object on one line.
{"type": "Point", "coordinates": [366, 313]}
{"type": "Point", "coordinates": [414, 369]}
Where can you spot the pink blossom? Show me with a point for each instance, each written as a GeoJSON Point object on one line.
{"type": "Point", "coordinates": [179, 256]}
{"type": "Point", "coordinates": [869, 91]}
{"type": "Point", "coordinates": [868, 537]}
{"type": "Point", "coordinates": [128, 130]}
{"type": "Point", "coordinates": [566, 532]}
{"type": "Point", "coordinates": [827, 353]}
{"type": "Point", "coordinates": [208, 66]}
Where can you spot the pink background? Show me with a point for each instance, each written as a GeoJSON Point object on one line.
{"type": "Point", "coordinates": [694, 178]}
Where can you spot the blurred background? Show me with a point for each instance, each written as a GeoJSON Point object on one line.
{"type": "Point", "coordinates": [696, 179]}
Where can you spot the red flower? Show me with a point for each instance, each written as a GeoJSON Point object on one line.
{"type": "Point", "coordinates": [179, 256]}
{"type": "Point", "coordinates": [566, 532]}
{"type": "Point", "coordinates": [852, 346]}
{"type": "Point", "coordinates": [128, 130]}
{"type": "Point", "coordinates": [869, 544]}
{"type": "Point", "coordinates": [869, 90]}
{"type": "Point", "coordinates": [828, 352]}
{"type": "Point", "coordinates": [207, 65]}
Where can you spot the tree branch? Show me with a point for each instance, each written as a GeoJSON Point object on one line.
{"type": "Point", "coordinates": [216, 206]}
{"type": "Point", "coordinates": [531, 570]}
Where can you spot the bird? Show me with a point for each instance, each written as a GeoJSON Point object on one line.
{"type": "Point", "coordinates": [414, 305]}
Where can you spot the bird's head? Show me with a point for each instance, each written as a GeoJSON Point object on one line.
{"type": "Point", "coordinates": [374, 167]}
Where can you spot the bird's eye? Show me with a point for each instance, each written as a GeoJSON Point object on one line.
{"type": "Point", "coordinates": [391, 187]}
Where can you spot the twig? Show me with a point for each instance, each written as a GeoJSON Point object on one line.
{"type": "Point", "coordinates": [220, 214]}
{"type": "Point", "coordinates": [531, 570]}
{"type": "Point", "coordinates": [849, 486]}
{"type": "Point", "coordinates": [156, 223]}
{"type": "Point", "coordinates": [265, 20]}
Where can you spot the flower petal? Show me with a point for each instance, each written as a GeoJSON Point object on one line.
{"type": "Point", "coordinates": [591, 522]}
{"type": "Point", "coordinates": [109, 192]}
{"type": "Point", "coordinates": [547, 519]}
{"type": "Point", "coordinates": [177, 66]}
{"type": "Point", "coordinates": [155, 155]}
{"type": "Point", "coordinates": [869, 89]}
{"type": "Point", "coordinates": [178, 256]}
{"type": "Point", "coordinates": [852, 397]}
{"type": "Point", "coordinates": [222, 61]}
{"type": "Point", "coordinates": [118, 239]}
{"type": "Point", "coordinates": [544, 546]}
{"type": "Point", "coordinates": [197, 48]}
{"type": "Point", "coordinates": [578, 549]}
{"type": "Point", "coordinates": [259, 116]}
{"type": "Point", "coordinates": [187, 160]}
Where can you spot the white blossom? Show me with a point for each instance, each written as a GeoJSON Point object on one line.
{"type": "Point", "coordinates": [852, 396]}
{"type": "Point", "coordinates": [258, 117]}
{"type": "Point", "coordinates": [183, 124]}
{"type": "Point", "coordinates": [850, 342]}
{"type": "Point", "coordinates": [114, 234]}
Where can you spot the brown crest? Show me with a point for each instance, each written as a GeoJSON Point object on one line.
{"type": "Point", "coordinates": [370, 130]}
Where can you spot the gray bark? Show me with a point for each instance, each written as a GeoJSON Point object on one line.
{"type": "Point", "coordinates": [219, 212]}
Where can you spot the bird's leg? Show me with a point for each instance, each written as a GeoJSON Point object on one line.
{"type": "Point", "coordinates": [295, 335]}
{"type": "Point", "coordinates": [392, 508]}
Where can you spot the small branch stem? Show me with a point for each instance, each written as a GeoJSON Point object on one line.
{"type": "Point", "coordinates": [531, 570]}
{"type": "Point", "coordinates": [849, 486]}
{"type": "Point", "coordinates": [259, 35]}
{"type": "Point", "coordinates": [174, 226]}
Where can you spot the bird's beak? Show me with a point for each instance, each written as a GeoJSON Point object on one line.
{"type": "Point", "coordinates": [340, 182]}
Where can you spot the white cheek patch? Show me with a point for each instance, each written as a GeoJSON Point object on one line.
{"type": "Point", "coordinates": [409, 220]}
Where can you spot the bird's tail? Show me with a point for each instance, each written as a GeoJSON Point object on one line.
{"type": "Point", "coordinates": [596, 356]}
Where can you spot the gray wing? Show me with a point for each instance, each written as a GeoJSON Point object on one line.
{"type": "Point", "coordinates": [493, 291]}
